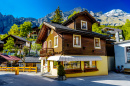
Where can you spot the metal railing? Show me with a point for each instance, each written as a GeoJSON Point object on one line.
{"type": "Point", "coordinates": [46, 52]}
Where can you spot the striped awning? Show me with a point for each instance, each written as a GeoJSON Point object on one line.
{"type": "Point", "coordinates": [75, 58]}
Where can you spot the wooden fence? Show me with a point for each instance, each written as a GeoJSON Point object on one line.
{"type": "Point", "coordinates": [21, 69]}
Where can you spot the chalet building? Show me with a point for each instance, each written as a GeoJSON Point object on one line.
{"type": "Point", "coordinates": [115, 34]}
{"type": "Point", "coordinates": [74, 45]}
{"type": "Point", "coordinates": [19, 42]}
{"type": "Point", "coordinates": [8, 61]}
{"type": "Point", "coordinates": [34, 33]}
{"type": "Point", "coordinates": [30, 62]}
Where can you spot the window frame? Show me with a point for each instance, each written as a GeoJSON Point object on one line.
{"type": "Point", "coordinates": [99, 43]}
{"type": "Point", "coordinates": [55, 40]}
{"type": "Point", "coordinates": [86, 25]}
{"type": "Point", "coordinates": [89, 63]}
{"type": "Point", "coordinates": [56, 65]}
{"type": "Point", "coordinates": [126, 58]}
{"type": "Point", "coordinates": [78, 46]}
{"type": "Point", "coordinates": [49, 44]}
{"type": "Point", "coordinates": [71, 69]}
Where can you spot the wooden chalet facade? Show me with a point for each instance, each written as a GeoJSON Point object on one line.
{"type": "Point", "coordinates": [19, 43]}
{"type": "Point", "coordinates": [73, 44]}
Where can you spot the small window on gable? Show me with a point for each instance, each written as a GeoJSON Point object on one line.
{"type": "Point", "coordinates": [84, 25]}
{"type": "Point", "coordinates": [97, 43]}
{"type": "Point", "coordinates": [76, 40]}
{"type": "Point", "coordinates": [56, 41]}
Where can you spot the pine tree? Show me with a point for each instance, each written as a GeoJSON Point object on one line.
{"type": "Point", "coordinates": [58, 16]}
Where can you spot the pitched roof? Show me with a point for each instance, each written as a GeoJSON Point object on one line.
{"type": "Point", "coordinates": [111, 30]}
{"type": "Point", "coordinates": [9, 58]}
{"type": "Point", "coordinates": [30, 60]}
{"type": "Point", "coordinates": [81, 13]}
{"type": "Point", "coordinates": [63, 29]}
{"type": "Point", "coordinates": [127, 41]}
{"type": "Point", "coordinates": [20, 38]}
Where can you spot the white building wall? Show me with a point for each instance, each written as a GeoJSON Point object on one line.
{"type": "Point", "coordinates": [120, 55]}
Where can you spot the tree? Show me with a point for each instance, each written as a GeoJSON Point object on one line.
{"type": "Point", "coordinates": [3, 36]}
{"type": "Point", "coordinates": [126, 30]}
{"type": "Point", "coordinates": [25, 29]}
{"type": "Point", "coordinates": [40, 26]}
{"type": "Point", "coordinates": [14, 30]}
{"type": "Point", "coordinates": [58, 16]}
{"type": "Point", "coordinates": [72, 14]}
{"type": "Point", "coordinates": [9, 45]}
{"type": "Point", "coordinates": [36, 47]}
{"type": "Point", "coordinates": [25, 50]}
{"type": "Point", "coordinates": [97, 29]}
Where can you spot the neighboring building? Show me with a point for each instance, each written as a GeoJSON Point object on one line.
{"type": "Point", "coordinates": [19, 42]}
{"type": "Point", "coordinates": [1, 45]}
{"type": "Point", "coordinates": [122, 54]}
{"type": "Point", "coordinates": [34, 33]}
{"type": "Point", "coordinates": [74, 45]}
{"type": "Point", "coordinates": [115, 34]}
{"type": "Point", "coordinates": [31, 62]}
{"type": "Point", "coordinates": [8, 61]}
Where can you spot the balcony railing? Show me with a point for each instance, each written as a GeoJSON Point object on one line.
{"type": "Point", "coordinates": [46, 52]}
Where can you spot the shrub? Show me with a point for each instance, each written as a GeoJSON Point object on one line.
{"type": "Point", "coordinates": [61, 71]}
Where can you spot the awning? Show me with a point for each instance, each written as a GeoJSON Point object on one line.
{"type": "Point", "coordinates": [75, 58]}
{"type": "Point", "coordinates": [42, 58]}
{"type": "Point", "coordinates": [9, 58]}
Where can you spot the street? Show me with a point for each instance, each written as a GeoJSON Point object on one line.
{"type": "Point", "coordinates": [30, 79]}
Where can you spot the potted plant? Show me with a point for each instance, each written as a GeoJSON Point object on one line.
{"type": "Point", "coordinates": [61, 73]}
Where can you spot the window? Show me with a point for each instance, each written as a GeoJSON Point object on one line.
{"type": "Point", "coordinates": [45, 44]}
{"type": "Point", "coordinates": [76, 41]}
{"type": "Point", "coordinates": [97, 43]}
{"type": "Point", "coordinates": [83, 25]}
{"type": "Point", "coordinates": [55, 64]}
{"type": "Point", "coordinates": [89, 64]}
{"type": "Point", "coordinates": [128, 54]}
{"type": "Point", "coordinates": [71, 65]}
{"type": "Point", "coordinates": [50, 45]}
{"type": "Point", "coordinates": [56, 41]}
{"type": "Point", "coordinates": [34, 64]}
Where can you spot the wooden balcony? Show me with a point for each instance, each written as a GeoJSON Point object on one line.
{"type": "Point", "coordinates": [46, 52]}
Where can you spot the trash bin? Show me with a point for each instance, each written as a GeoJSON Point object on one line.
{"type": "Point", "coordinates": [16, 71]}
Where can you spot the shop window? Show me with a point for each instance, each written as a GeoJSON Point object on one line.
{"type": "Point", "coordinates": [34, 64]}
{"type": "Point", "coordinates": [72, 65]}
{"type": "Point", "coordinates": [76, 40]}
{"type": "Point", "coordinates": [28, 64]}
{"type": "Point", "coordinates": [89, 64]}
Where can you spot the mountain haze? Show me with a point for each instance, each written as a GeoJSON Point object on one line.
{"type": "Point", "coordinates": [114, 17]}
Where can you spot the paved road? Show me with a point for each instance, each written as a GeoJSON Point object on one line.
{"type": "Point", "coordinates": [29, 79]}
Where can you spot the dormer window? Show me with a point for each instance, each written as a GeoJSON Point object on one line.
{"type": "Point", "coordinates": [84, 25]}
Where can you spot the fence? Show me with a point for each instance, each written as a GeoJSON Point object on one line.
{"type": "Point", "coordinates": [22, 69]}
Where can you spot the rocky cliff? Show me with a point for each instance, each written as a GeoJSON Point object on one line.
{"type": "Point", "coordinates": [114, 17]}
